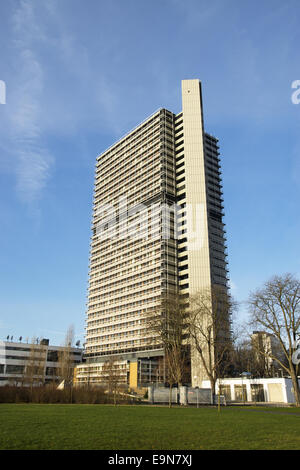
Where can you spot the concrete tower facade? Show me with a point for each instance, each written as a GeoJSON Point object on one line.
{"type": "Point", "coordinates": [166, 165]}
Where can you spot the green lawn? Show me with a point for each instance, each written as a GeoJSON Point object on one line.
{"type": "Point", "coordinates": [31, 426]}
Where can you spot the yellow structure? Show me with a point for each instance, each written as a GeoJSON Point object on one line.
{"type": "Point", "coordinates": [133, 375]}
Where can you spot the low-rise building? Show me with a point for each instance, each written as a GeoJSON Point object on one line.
{"type": "Point", "coordinates": [132, 373]}
{"type": "Point", "coordinates": [253, 390]}
{"type": "Point", "coordinates": [21, 363]}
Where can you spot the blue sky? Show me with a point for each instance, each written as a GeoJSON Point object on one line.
{"type": "Point", "coordinates": [79, 75]}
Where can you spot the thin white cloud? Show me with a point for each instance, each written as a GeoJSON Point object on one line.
{"type": "Point", "coordinates": [32, 171]}
{"type": "Point", "coordinates": [232, 285]}
{"type": "Point", "coordinates": [32, 161]}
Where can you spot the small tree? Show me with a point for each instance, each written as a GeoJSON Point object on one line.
{"type": "Point", "coordinates": [209, 329]}
{"type": "Point", "coordinates": [169, 325]}
{"type": "Point", "coordinates": [113, 377]}
{"type": "Point", "coordinates": [65, 362]}
{"type": "Point", "coordinates": [34, 369]}
{"type": "Point", "coordinates": [275, 308]}
{"type": "Point", "coordinates": [264, 346]}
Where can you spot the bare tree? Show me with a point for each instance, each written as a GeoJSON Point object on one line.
{"type": "Point", "coordinates": [209, 328]}
{"type": "Point", "coordinates": [169, 324]}
{"type": "Point", "coordinates": [276, 309]}
{"type": "Point", "coordinates": [65, 362]}
{"type": "Point", "coordinates": [113, 376]}
{"type": "Point", "coordinates": [245, 359]}
{"type": "Point", "coordinates": [34, 369]}
{"type": "Point", "coordinates": [264, 346]}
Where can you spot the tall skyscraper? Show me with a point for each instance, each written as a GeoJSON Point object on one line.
{"type": "Point", "coordinates": [157, 229]}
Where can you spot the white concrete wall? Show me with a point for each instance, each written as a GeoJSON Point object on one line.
{"type": "Point", "coordinates": [286, 387]}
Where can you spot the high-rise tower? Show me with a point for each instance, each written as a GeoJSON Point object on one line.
{"type": "Point", "coordinates": [169, 166]}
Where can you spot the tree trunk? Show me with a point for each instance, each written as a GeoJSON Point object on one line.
{"type": "Point", "coordinates": [295, 383]}
{"type": "Point", "coordinates": [213, 387]}
{"type": "Point", "coordinates": [170, 396]}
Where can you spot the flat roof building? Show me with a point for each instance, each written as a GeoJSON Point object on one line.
{"type": "Point", "coordinates": [157, 229]}
{"type": "Point", "coordinates": [37, 361]}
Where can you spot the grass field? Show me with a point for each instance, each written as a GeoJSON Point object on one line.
{"type": "Point", "coordinates": [33, 426]}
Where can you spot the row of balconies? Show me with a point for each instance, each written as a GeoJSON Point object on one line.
{"type": "Point", "coordinates": [108, 343]}
{"type": "Point", "coordinates": [139, 300]}
{"type": "Point", "coordinates": [126, 306]}
{"type": "Point", "coordinates": [140, 257]}
{"type": "Point", "coordinates": [131, 163]}
{"type": "Point", "coordinates": [129, 176]}
{"type": "Point", "coordinates": [120, 318]}
{"type": "Point", "coordinates": [130, 194]}
{"type": "Point", "coordinates": [116, 322]}
{"type": "Point", "coordinates": [149, 274]}
{"type": "Point", "coordinates": [151, 125]}
{"type": "Point", "coordinates": [127, 245]}
{"type": "Point", "coordinates": [116, 327]}
{"type": "Point", "coordinates": [120, 285]}
{"type": "Point", "coordinates": [141, 267]}
{"type": "Point", "coordinates": [114, 336]}
{"type": "Point", "coordinates": [94, 293]}
{"type": "Point", "coordinates": [119, 254]}
{"type": "Point", "coordinates": [126, 311]}
{"type": "Point", "coordinates": [94, 296]}
{"type": "Point", "coordinates": [125, 199]}
{"type": "Point", "coordinates": [130, 294]}
{"type": "Point", "coordinates": [116, 259]}
{"type": "Point", "coordinates": [127, 166]}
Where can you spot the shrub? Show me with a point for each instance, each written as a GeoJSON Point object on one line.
{"type": "Point", "coordinates": [50, 394]}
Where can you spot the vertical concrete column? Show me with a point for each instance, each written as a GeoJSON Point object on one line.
{"type": "Point", "coordinates": [199, 275]}
{"type": "Point", "coordinates": [183, 396]}
{"type": "Point", "coordinates": [248, 391]}
{"type": "Point", "coordinates": [232, 394]}
{"type": "Point", "coordinates": [133, 375]}
{"type": "Point", "coordinates": [151, 394]}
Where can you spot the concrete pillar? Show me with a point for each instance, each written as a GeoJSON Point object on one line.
{"type": "Point", "coordinates": [133, 375]}
{"type": "Point", "coordinates": [151, 394]}
{"type": "Point", "coordinates": [183, 396]}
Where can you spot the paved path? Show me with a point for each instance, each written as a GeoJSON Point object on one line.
{"type": "Point", "coordinates": [273, 412]}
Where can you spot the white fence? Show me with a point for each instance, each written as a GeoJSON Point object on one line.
{"type": "Point", "coordinates": [183, 396]}
{"type": "Point", "coordinates": [162, 395]}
